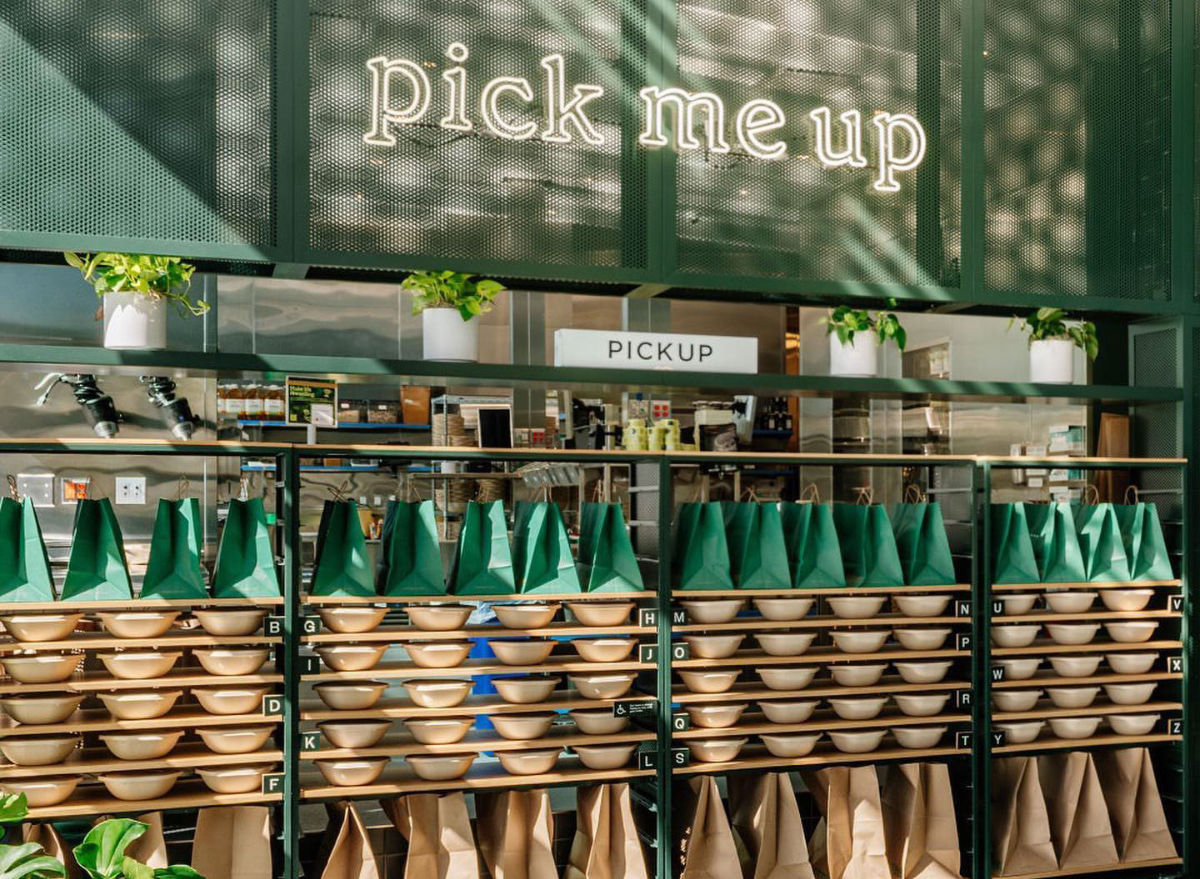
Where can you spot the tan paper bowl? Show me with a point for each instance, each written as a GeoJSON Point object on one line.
{"type": "Point", "coordinates": [604, 649]}
{"type": "Point", "coordinates": [438, 617]}
{"type": "Point", "coordinates": [38, 750]}
{"type": "Point", "coordinates": [140, 665]}
{"type": "Point", "coordinates": [45, 709]}
{"type": "Point", "coordinates": [922, 605]}
{"type": "Point", "coordinates": [1015, 700]}
{"type": "Point", "coordinates": [33, 627]}
{"type": "Point", "coordinates": [787, 678]}
{"type": "Point", "coordinates": [1074, 666]}
{"type": "Point", "coordinates": [1070, 602]}
{"type": "Point", "coordinates": [856, 607]}
{"type": "Point", "coordinates": [714, 610]}
{"type": "Point", "coordinates": [783, 610]}
{"type": "Point", "coordinates": [866, 674]}
{"type": "Point", "coordinates": [716, 750]}
{"type": "Point", "coordinates": [720, 716]}
{"type": "Point", "coordinates": [785, 643]}
{"type": "Point", "coordinates": [523, 727]}
{"type": "Point", "coordinates": [1022, 732]}
{"type": "Point", "coordinates": [922, 639]}
{"type": "Point", "coordinates": [787, 710]}
{"type": "Point", "coordinates": [138, 623]}
{"type": "Point", "coordinates": [353, 734]}
{"type": "Point", "coordinates": [231, 700]}
{"type": "Point", "coordinates": [790, 744]}
{"type": "Point", "coordinates": [350, 695]}
{"type": "Point", "coordinates": [440, 730]}
{"type": "Point", "coordinates": [525, 616]}
{"type": "Point", "coordinates": [708, 682]}
{"type": "Point", "coordinates": [141, 745]}
{"type": "Point", "coordinates": [438, 654]}
{"type": "Point", "coordinates": [233, 779]}
{"type": "Point", "coordinates": [1072, 697]}
{"type": "Point", "coordinates": [1126, 600]}
{"type": "Point", "coordinates": [1132, 724]}
{"type": "Point", "coordinates": [598, 721]}
{"type": "Point", "coordinates": [603, 686]}
{"type": "Point", "coordinates": [440, 767]}
{"type": "Point", "coordinates": [921, 704]}
{"type": "Point", "coordinates": [41, 668]}
{"type": "Point", "coordinates": [352, 657]}
{"type": "Point", "coordinates": [230, 622]}
{"type": "Point", "coordinates": [438, 693]}
{"type": "Point", "coordinates": [529, 762]}
{"type": "Point", "coordinates": [601, 614]}
{"type": "Point", "coordinates": [860, 741]}
{"type": "Point", "coordinates": [352, 772]}
{"type": "Point", "coordinates": [922, 672]}
{"type": "Point", "coordinates": [918, 736]}
{"type": "Point", "coordinates": [235, 739]}
{"type": "Point", "coordinates": [1074, 727]}
{"type": "Point", "coordinates": [858, 707]}
{"type": "Point", "coordinates": [352, 620]}
{"type": "Point", "coordinates": [1130, 694]}
{"type": "Point", "coordinates": [1131, 663]}
{"type": "Point", "coordinates": [1019, 669]}
{"type": "Point", "coordinates": [1131, 632]}
{"type": "Point", "coordinates": [229, 662]}
{"type": "Point", "coordinates": [139, 704]}
{"type": "Point", "coordinates": [857, 641]}
{"type": "Point", "coordinates": [1072, 633]}
{"type": "Point", "coordinates": [525, 690]}
{"type": "Point", "coordinates": [42, 792]}
{"type": "Point", "coordinates": [142, 785]}
{"type": "Point", "coordinates": [1018, 603]}
{"type": "Point", "coordinates": [530, 652]}
{"type": "Point", "coordinates": [1021, 635]}
{"type": "Point", "coordinates": [605, 758]}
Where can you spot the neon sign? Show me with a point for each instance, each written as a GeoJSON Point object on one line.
{"type": "Point", "coordinates": [402, 94]}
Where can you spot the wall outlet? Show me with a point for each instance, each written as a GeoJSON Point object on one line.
{"type": "Point", "coordinates": [131, 490]}
{"type": "Point", "coordinates": [38, 487]}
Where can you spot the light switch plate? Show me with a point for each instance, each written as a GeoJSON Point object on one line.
{"type": "Point", "coordinates": [131, 490]}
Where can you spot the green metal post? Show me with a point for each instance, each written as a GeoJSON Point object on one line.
{"type": "Point", "coordinates": [666, 508]}
{"type": "Point", "coordinates": [982, 682]}
{"type": "Point", "coordinates": [287, 467]}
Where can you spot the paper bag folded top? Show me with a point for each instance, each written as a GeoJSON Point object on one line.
{"type": "Point", "coordinates": [767, 826]}
{"type": "Point", "coordinates": [1020, 824]}
{"type": "Point", "coordinates": [919, 822]}
{"type": "Point", "coordinates": [849, 842]}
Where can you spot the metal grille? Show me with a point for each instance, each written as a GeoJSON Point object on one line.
{"type": "Point", "coordinates": [793, 217]}
{"type": "Point", "coordinates": [473, 195]}
{"type": "Point", "coordinates": [138, 119]}
{"type": "Point", "coordinates": [1077, 141]}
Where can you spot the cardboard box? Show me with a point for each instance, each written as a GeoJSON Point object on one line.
{"type": "Point", "coordinates": [414, 405]}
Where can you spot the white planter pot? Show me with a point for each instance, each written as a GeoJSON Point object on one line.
{"type": "Point", "coordinates": [1052, 362]}
{"type": "Point", "coordinates": [448, 337]}
{"type": "Point", "coordinates": [859, 359]}
{"type": "Point", "coordinates": [134, 321]}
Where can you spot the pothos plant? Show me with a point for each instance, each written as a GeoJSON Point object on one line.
{"type": "Point", "coordinates": [846, 322]}
{"type": "Point", "coordinates": [28, 860]}
{"type": "Point", "coordinates": [164, 278]}
{"type": "Point", "coordinates": [469, 295]}
{"type": "Point", "coordinates": [1051, 323]}
{"type": "Point", "coordinates": [102, 854]}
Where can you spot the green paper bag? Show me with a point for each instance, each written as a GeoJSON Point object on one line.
{"type": "Point", "coordinates": [606, 559]}
{"type": "Point", "coordinates": [342, 566]}
{"type": "Point", "coordinates": [1142, 535]}
{"type": "Point", "coordinates": [922, 543]}
{"type": "Point", "coordinates": [97, 570]}
{"type": "Point", "coordinates": [1100, 544]}
{"type": "Point", "coordinates": [812, 546]}
{"type": "Point", "coordinates": [173, 570]}
{"type": "Point", "coordinates": [483, 563]}
{"type": "Point", "coordinates": [1055, 544]}
{"type": "Point", "coordinates": [757, 552]}
{"type": "Point", "coordinates": [542, 550]}
{"type": "Point", "coordinates": [412, 556]}
{"type": "Point", "coordinates": [868, 545]}
{"type": "Point", "coordinates": [1012, 549]}
{"type": "Point", "coordinates": [24, 567]}
{"type": "Point", "coordinates": [245, 557]}
{"type": "Point", "coordinates": [701, 554]}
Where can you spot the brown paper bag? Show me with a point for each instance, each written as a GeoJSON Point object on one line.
{"type": "Point", "coordinates": [606, 843]}
{"type": "Point", "coordinates": [438, 829]}
{"type": "Point", "coordinates": [1079, 825]}
{"type": "Point", "coordinates": [1020, 824]}
{"type": "Point", "coordinates": [919, 822]}
{"type": "Point", "coordinates": [150, 848]}
{"type": "Point", "coordinates": [1112, 442]}
{"type": "Point", "coordinates": [233, 842]}
{"type": "Point", "coordinates": [849, 841]}
{"type": "Point", "coordinates": [516, 834]}
{"type": "Point", "coordinates": [709, 848]}
{"type": "Point", "coordinates": [47, 837]}
{"type": "Point", "coordinates": [351, 856]}
{"type": "Point", "coordinates": [766, 823]}
{"type": "Point", "coordinates": [1134, 806]}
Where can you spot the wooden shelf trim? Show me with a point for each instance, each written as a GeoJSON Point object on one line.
{"type": "Point", "coordinates": [1093, 871]}
{"type": "Point", "coordinates": [1101, 708]}
{"type": "Point", "coordinates": [1093, 616]}
{"type": "Point", "coordinates": [1049, 679]}
{"type": "Point", "coordinates": [818, 655]}
{"type": "Point", "coordinates": [1098, 741]}
{"type": "Point", "coordinates": [99, 720]}
{"type": "Point", "coordinates": [480, 741]}
{"type": "Point", "coordinates": [757, 724]}
{"type": "Point", "coordinates": [1044, 647]}
{"type": "Point", "coordinates": [753, 624]}
{"type": "Point", "coordinates": [823, 755]}
{"type": "Point", "coordinates": [88, 803]}
{"type": "Point", "coordinates": [399, 709]}
{"type": "Point", "coordinates": [173, 640]}
{"type": "Point", "coordinates": [816, 690]}
{"type": "Point", "coordinates": [337, 600]}
{"type": "Point", "coordinates": [472, 667]}
{"type": "Point", "coordinates": [98, 760]}
{"type": "Point", "coordinates": [1040, 587]}
{"type": "Point", "coordinates": [814, 593]}
{"type": "Point", "coordinates": [15, 607]}
{"type": "Point", "coordinates": [91, 682]}
{"type": "Point", "coordinates": [407, 633]}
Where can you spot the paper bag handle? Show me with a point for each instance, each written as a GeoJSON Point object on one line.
{"type": "Point", "coordinates": [12, 488]}
{"type": "Point", "coordinates": [864, 495]}
{"type": "Point", "coordinates": [1091, 494]}
{"type": "Point", "coordinates": [1132, 489]}
{"type": "Point", "coordinates": [810, 495]}
{"type": "Point", "coordinates": [914, 495]}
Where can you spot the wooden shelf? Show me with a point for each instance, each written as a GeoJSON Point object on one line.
{"type": "Point", "coordinates": [1049, 679]}
{"type": "Point", "coordinates": [400, 709]}
{"type": "Point", "coordinates": [99, 720]}
{"type": "Point", "coordinates": [90, 682]}
{"type": "Point", "coordinates": [1094, 615]}
{"type": "Point", "coordinates": [337, 600]}
{"type": "Point", "coordinates": [1095, 708]}
{"type": "Point", "coordinates": [1100, 741]}
{"type": "Point", "coordinates": [472, 667]}
{"type": "Point", "coordinates": [813, 593]}
{"type": "Point", "coordinates": [95, 761]}
{"type": "Point", "coordinates": [92, 801]}
{"type": "Point", "coordinates": [480, 741]}
{"type": "Point", "coordinates": [12, 607]}
{"type": "Point", "coordinates": [821, 622]}
{"type": "Point", "coordinates": [1044, 647]}
{"type": "Point", "coordinates": [488, 776]}
{"type": "Point", "coordinates": [818, 655]}
{"type": "Point", "coordinates": [756, 692]}
{"type": "Point", "coordinates": [823, 755]}
{"type": "Point", "coordinates": [1094, 871]}
{"type": "Point", "coordinates": [825, 720]}
{"type": "Point", "coordinates": [408, 633]}
{"type": "Point", "coordinates": [1040, 587]}
{"type": "Point", "coordinates": [175, 640]}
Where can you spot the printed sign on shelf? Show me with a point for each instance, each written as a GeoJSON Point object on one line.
{"type": "Point", "coordinates": [673, 352]}
{"type": "Point", "coordinates": [311, 401]}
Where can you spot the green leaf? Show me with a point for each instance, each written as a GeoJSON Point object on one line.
{"type": "Point", "coordinates": [28, 861]}
{"type": "Point", "coordinates": [132, 869]}
{"type": "Point", "coordinates": [102, 851]}
{"type": "Point", "coordinates": [74, 259]}
{"type": "Point", "coordinates": [13, 808]}
{"type": "Point", "coordinates": [177, 871]}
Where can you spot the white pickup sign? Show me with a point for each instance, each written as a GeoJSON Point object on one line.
{"type": "Point", "coordinates": [664, 351]}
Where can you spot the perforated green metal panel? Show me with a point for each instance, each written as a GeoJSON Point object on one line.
{"type": "Point", "coordinates": [1077, 144]}
{"type": "Point", "coordinates": [794, 217]}
{"type": "Point", "coordinates": [138, 119]}
{"type": "Point", "coordinates": [473, 195]}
